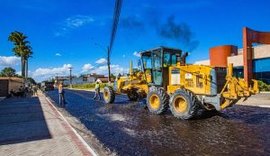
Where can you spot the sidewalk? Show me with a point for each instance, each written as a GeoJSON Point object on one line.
{"type": "Point", "coordinates": [259, 100]}
{"type": "Point", "coordinates": [32, 126]}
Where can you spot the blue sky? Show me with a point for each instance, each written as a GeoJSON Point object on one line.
{"type": "Point", "coordinates": [66, 32]}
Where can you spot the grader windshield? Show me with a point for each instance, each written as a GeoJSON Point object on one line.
{"type": "Point", "coordinates": [155, 64]}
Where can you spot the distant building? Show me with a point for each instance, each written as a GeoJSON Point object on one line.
{"type": "Point", "coordinates": [47, 85]}
{"type": "Point", "coordinates": [93, 77]}
{"type": "Point", "coordinates": [88, 78]}
{"type": "Point", "coordinates": [261, 62]}
{"type": "Point", "coordinates": [10, 83]}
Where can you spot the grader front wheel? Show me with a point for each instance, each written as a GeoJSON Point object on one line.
{"type": "Point", "coordinates": [157, 100]}
{"type": "Point", "coordinates": [108, 95]}
{"type": "Point", "coordinates": [183, 104]}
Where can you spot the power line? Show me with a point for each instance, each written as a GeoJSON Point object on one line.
{"type": "Point", "coordinates": [116, 15]}
{"type": "Point", "coordinates": [117, 11]}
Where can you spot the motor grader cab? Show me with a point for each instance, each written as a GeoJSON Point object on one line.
{"type": "Point", "coordinates": [168, 82]}
{"type": "Point", "coordinates": [156, 62]}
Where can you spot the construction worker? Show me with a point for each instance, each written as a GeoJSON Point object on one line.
{"type": "Point", "coordinates": [61, 93]}
{"type": "Point", "coordinates": [97, 89]}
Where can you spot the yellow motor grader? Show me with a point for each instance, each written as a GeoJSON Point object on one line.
{"type": "Point", "coordinates": [168, 82]}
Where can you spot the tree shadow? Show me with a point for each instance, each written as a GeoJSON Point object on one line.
{"type": "Point", "coordinates": [22, 120]}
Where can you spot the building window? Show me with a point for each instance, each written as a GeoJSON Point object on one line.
{"type": "Point", "coordinates": [261, 65]}
{"type": "Point", "coordinates": [261, 69]}
{"type": "Point", "coordinates": [238, 72]}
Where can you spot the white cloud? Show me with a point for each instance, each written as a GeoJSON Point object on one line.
{"type": "Point", "coordinates": [46, 73]}
{"type": "Point", "coordinates": [73, 22]}
{"type": "Point", "coordinates": [87, 67]}
{"type": "Point", "coordinates": [78, 21]}
{"type": "Point", "coordinates": [9, 60]}
{"type": "Point", "coordinates": [115, 69]}
{"type": "Point", "coordinates": [137, 54]}
{"type": "Point", "coordinates": [58, 54]}
{"type": "Point", "coordinates": [103, 69]}
{"type": "Point", "coordinates": [101, 61]}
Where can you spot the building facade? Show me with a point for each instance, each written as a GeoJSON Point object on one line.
{"type": "Point", "coordinates": [10, 83]}
{"type": "Point", "coordinates": [261, 62]}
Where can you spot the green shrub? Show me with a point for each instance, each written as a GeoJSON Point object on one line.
{"type": "Point", "coordinates": [88, 85]}
{"type": "Point", "coordinates": [263, 86]}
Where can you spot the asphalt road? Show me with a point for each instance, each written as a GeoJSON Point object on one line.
{"type": "Point", "coordinates": [127, 128]}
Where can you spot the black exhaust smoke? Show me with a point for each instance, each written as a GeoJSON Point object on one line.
{"type": "Point", "coordinates": [180, 32]}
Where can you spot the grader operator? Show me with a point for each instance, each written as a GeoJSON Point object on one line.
{"type": "Point", "coordinates": [168, 82]}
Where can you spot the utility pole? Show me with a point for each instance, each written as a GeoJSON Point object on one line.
{"type": "Point", "coordinates": [109, 63]}
{"type": "Point", "coordinates": [70, 77]}
{"type": "Point", "coordinates": [106, 49]}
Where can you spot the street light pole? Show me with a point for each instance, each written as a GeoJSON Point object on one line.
{"type": "Point", "coordinates": [70, 77]}
{"type": "Point", "coordinates": [109, 63]}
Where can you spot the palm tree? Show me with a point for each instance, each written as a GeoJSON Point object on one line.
{"type": "Point", "coordinates": [21, 49]}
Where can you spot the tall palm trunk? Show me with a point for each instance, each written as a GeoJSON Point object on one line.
{"type": "Point", "coordinates": [26, 68]}
{"type": "Point", "coordinates": [23, 67]}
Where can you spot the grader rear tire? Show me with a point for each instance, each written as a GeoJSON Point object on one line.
{"type": "Point", "coordinates": [157, 100]}
{"type": "Point", "coordinates": [183, 104]}
{"type": "Point", "coordinates": [108, 95]}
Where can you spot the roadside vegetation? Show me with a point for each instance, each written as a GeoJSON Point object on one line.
{"type": "Point", "coordinates": [88, 86]}
{"type": "Point", "coordinates": [263, 86]}
{"type": "Point", "coordinates": [10, 72]}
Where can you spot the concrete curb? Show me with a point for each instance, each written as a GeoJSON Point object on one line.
{"type": "Point", "coordinates": [87, 146]}
{"type": "Point", "coordinates": [265, 92]}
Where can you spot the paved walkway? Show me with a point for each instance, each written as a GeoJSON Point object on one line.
{"type": "Point", "coordinates": [259, 100]}
{"type": "Point", "coordinates": [32, 126]}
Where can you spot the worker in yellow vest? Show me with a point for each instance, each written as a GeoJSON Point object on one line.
{"type": "Point", "coordinates": [97, 89]}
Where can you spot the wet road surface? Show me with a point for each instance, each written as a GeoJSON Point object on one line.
{"type": "Point", "coordinates": [127, 128]}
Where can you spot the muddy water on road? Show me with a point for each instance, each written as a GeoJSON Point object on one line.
{"type": "Point", "coordinates": [129, 129]}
